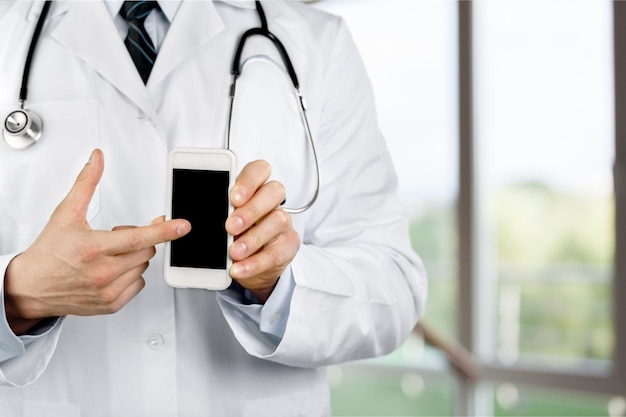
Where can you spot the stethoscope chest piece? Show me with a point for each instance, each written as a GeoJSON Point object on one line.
{"type": "Point", "coordinates": [22, 129]}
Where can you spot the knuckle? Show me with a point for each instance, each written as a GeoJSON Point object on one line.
{"type": "Point", "coordinates": [107, 297]}
{"type": "Point", "coordinates": [245, 183]}
{"type": "Point", "coordinates": [294, 238]}
{"type": "Point", "coordinates": [114, 300]}
{"type": "Point", "coordinates": [254, 241]}
{"type": "Point", "coordinates": [102, 279]}
{"type": "Point", "coordinates": [283, 219]}
{"type": "Point", "coordinates": [263, 166]}
{"type": "Point", "coordinates": [253, 266]}
{"type": "Point", "coordinates": [88, 252]}
{"type": "Point", "coordinates": [135, 242]}
{"type": "Point", "coordinates": [254, 169]}
{"type": "Point", "coordinates": [111, 308]}
{"type": "Point", "coordinates": [275, 192]}
{"type": "Point", "coordinates": [251, 214]}
{"type": "Point", "coordinates": [276, 259]}
{"type": "Point", "coordinates": [146, 254]}
{"type": "Point", "coordinates": [278, 189]}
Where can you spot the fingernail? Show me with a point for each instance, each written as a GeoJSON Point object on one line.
{"type": "Point", "coordinates": [239, 250]}
{"type": "Point", "coordinates": [91, 157]}
{"type": "Point", "coordinates": [236, 225]}
{"type": "Point", "coordinates": [239, 196]}
{"type": "Point", "coordinates": [237, 270]}
{"type": "Point", "coordinates": [183, 228]}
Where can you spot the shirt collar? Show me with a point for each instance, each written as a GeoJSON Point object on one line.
{"type": "Point", "coordinates": [169, 7]}
{"type": "Point", "coordinates": [246, 4]}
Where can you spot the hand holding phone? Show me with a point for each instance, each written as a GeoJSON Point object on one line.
{"type": "Point", "coordinates": [266, 240]}
{"type": "Point", "coordinates": [199, 184]}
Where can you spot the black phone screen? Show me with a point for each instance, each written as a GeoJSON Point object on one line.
{"type": "Point", "coordinates": [201, 197]}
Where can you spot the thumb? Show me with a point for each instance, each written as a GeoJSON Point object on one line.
{"type": "Point", "coordinates": [77, 200]}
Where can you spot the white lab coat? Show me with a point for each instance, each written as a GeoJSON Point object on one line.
{"type": "Point", "coordinates": [358, 286]}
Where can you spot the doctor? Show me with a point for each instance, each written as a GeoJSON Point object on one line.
{"type": "Point", "coordinates": [87, 325]}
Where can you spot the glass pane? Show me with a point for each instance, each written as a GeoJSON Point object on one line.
{"type": "Point", "coordinates": [545, 150]}
{"type": "Point", "coordinates": [522, 400]}
{"type": "Point", "coordinates": [411, 59]}
{"type": "Point", "coordinates": [364, 392]}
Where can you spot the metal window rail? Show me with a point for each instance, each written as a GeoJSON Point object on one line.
{"type": "Point", "coordinates": [460, 358]}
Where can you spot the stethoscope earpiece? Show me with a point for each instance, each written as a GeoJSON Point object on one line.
{"type": "Point", "coordinates": [22, 128]}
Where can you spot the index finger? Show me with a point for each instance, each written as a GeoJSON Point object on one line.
{"type": "Point", "coordinates": [129, 240]}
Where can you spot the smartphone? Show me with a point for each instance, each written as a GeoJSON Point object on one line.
{"type": "Point", "coordinates": [199, 182]}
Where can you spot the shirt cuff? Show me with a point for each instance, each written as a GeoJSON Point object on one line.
{"type": "Point", "coordinates": [271, 317]}
{"type": "Point", "coordinates": [11, 345]}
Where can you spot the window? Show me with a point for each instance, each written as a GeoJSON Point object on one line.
{"type": "Point", "coordinates": [544, 135]}
{"type": "Point", "coordinates": [500, 117]}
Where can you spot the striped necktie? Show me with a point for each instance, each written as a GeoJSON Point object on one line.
{"type": "Point", "coordinates": [138, 42]}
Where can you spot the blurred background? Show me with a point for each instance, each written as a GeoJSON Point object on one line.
{"type": "Point", "coordinates": [500, 116]}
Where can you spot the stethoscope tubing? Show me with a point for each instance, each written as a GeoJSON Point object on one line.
{"type": "Point", "coordinates": [305, 122]}
{"type": "Point", "coordinates": [236, 70]}
{"type": "Point", "coordinates": [24, 127]}
{"type": "Point", "coordinates": [31, 51]}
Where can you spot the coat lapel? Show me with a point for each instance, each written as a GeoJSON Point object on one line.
{"type": "Point", "coordinates": [185, 36]}
{"type": "Point", "coordinates": [86, 29]}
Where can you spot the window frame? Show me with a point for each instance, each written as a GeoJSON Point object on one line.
{"type": "Point", "coordinates": [472, 397]}
{"type": "Point", "coordinates": [611, 381]}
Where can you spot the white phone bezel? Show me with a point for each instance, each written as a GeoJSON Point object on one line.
{"type": "Point", "coordinates": [203, 159]}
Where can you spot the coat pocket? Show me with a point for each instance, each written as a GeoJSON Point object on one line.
{"type": "Point", "coordinates": [35, 180]}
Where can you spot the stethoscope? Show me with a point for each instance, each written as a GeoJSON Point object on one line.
{"type": "Point", "coordinates": [24, 127]}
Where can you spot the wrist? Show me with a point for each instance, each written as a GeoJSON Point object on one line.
{"type": "Point", "coordinates": [262, 295]}
{"type": "Point", "coordinates": [14, 306]}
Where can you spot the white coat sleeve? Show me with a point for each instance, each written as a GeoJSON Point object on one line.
{"type": "Point", "coordinates": [360, 288]}
{"type": "Point", "coordinates": [271, 317]}
{"type": "Point", "coordinates": [23, 359]}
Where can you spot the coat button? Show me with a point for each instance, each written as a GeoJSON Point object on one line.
{"type": "Point", "coordinates": [145, 120]}
{"type": "Point", "coordinates": [155, 342]}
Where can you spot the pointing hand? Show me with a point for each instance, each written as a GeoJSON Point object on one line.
{"type": "Point", "coordinates": [73, 269]}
